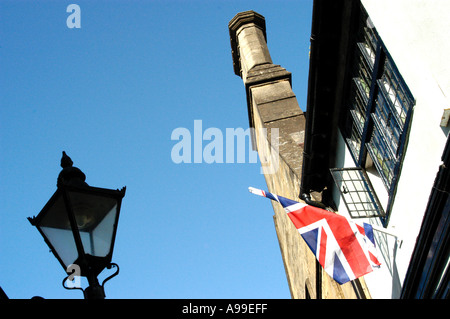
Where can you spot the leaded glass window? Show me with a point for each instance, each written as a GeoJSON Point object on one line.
{"type": "Point", "coordinates": [357, 192]}
{"type": "Point", "coordinates": [379, 107]}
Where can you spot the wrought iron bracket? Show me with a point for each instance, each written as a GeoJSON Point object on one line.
{"type": "Point", "coordinates": [111, 265]}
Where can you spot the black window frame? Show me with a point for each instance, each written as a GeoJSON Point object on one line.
{"type": "Point", "coordinates": [357, 192]}
{"type": "Point", "coordinates": [382, 132]}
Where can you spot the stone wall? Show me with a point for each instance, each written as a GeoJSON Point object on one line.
{"type": "Point", "coordinates": [278, 133]}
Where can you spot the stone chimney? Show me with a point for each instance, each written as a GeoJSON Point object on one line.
{"type": "Point", "coordinates": [272, 105]}
{"type": "Point", "coordinates": [249, 41]}
{"type": "Point", "coordinates": [267, 85]}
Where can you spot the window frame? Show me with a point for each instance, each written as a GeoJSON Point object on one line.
{"type": "Point", "coordinates": [356, 181]}
{"type": "Point", "coordinates": [382, 132]}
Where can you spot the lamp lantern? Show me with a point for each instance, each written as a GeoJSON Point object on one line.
{"type": "Point", "coordinates": [79, 224]}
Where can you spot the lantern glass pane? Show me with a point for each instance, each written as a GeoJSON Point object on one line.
{"type": "Point", "coordinates": [56, 227]}
{"type": "Point", "coordinates": [96, 217]}
{"type": "Point", "coordinates": [63, 242]}
{"type": "Point", "coordinates": [97, 241]}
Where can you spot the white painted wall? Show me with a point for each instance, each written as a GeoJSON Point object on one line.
{"type": "Point", "coordinates": [415, 33]}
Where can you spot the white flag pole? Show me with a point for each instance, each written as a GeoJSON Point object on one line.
{"type": "Point", "coordinates": [385, 231]}
{"type": "Point", "coordinates": [256, 191]}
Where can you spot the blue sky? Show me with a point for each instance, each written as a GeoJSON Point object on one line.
{"type": "Point", "coordinates": [110, 94]}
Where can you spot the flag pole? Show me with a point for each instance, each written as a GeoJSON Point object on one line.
{"type": "Point", "coordinates": [385, 231]}
{"type": "Point", "coordinates": [256, 191]}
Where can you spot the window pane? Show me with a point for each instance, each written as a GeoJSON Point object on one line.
{"type": "Point", "coordinates": [399, 97]}
{"type": "Point", "coordinates": [382, 157]}
{"type": "Point", "coordinates": [385, 122]}
{"type": "Point", "coordinates": [357, 192]}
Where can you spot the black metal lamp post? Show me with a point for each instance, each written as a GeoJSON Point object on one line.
{"type": "Point", "coordinates": [79, 225]}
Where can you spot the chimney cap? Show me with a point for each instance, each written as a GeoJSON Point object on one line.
{"type": "Point", "coordinates": [238, 21]}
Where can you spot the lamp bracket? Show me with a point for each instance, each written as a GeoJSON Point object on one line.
{"type": "Point", "coordinates": [111, 265]}
{"type": "Point", "coordinates": [70, 288]}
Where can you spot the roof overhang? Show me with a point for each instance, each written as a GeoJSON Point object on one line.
{"type": "Point", "coordinates": [332, 32]}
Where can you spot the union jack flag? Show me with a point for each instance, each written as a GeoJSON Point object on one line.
{"type": "Point", "coordinates": [343, 248]}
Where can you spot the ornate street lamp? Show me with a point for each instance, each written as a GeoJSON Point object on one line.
{"type": "Point", "coordinates": [79, 225]}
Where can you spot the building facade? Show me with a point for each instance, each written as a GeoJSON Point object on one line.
{"type": "Point", "coordinates": [273, 108]}
{"type": "Point", "coordinates": [376, 129]}
{"type": "Point", "coordinates": [373, 144]}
